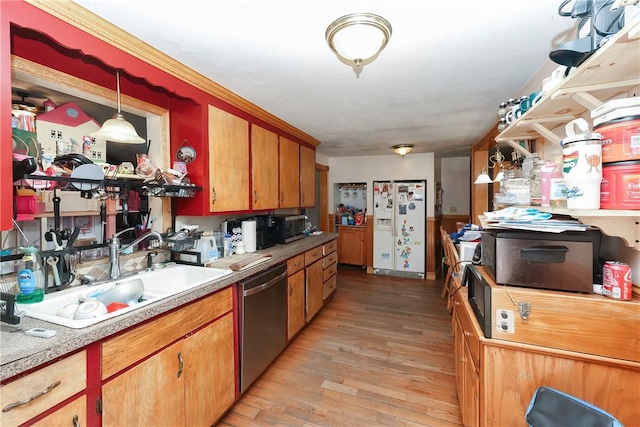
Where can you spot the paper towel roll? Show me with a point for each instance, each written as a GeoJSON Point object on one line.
{"type": "Point", "coordinates": [249, 235]}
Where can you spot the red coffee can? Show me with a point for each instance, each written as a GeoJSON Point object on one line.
{"type": "Point", "coordinates": [616, 280]}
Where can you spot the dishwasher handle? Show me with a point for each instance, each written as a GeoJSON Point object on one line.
{"type": "Point", "coordinates": [264, 286]}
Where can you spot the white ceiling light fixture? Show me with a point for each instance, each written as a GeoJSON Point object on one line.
{"type": "Point", "coordinates": [402, 149]}
{"type": "Point", "coordinates": [358, 36]}
{"type": "Point", "coordinates": [118, 129]}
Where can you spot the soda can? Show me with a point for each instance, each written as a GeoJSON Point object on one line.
{"type": "Point", "coordinates": [616, 280]}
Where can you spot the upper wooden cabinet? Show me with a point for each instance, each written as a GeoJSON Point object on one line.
{"type": "Point", "coordinates": [264, 168]}
{"type": "Point", "coordinates": [289, 173]}
{"type": "Point", "coordinates": [307, 177]}
{"type": "Point", "coordinates": [228, 161]}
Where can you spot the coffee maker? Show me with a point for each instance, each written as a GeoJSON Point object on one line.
{"type": "Point", "coordinates": [265, 231]}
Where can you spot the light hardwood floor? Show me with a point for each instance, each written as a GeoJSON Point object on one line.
{"type": "Point", "coordinates": [379, 354]}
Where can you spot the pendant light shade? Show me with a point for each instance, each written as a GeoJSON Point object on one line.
{"type": "Point", "coordinates": [118, 129]}
{"type": "Point", "coordinates": [358, 36]}
{"type": "Point", "coordinates": [483, 178]}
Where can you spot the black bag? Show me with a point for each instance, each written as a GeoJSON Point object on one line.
{"type": "Point", "coordinates": [553, 408]}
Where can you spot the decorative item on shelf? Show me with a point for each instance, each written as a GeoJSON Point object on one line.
{"type": "Point", "coordinates": [402, 149]}
{"type": "Point", "coordinates": [358, 37]}
{"type": "Point", "coordinates": [186, 153]}
{"type": "Point", "coordinates": [496, 160]}
{"type": "Point", "coordinates": [118, 129]}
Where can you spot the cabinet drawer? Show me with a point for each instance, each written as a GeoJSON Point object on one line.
{"type": "Point", "coordinates": [329, 271]}
{"type": "Point", "coordinates": [329, 259]}
{"type": "Point", "coordinates": [464, 313]}
{"type": "Point", "coordinates": [312, 255]}
{"type": "Point", "coordinates": [328, 287]}
{"type": "Point", "coordinates": [138, 343]}
{"type": "Point", "coordinates": [70, 373]}
{"type": "Point", "coordinates": [327, 248]}
{"type": "Point", "coordinates": [295, 264]}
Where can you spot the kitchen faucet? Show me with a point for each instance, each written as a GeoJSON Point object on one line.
{"type": "Point", "coordinates": [115, 249]}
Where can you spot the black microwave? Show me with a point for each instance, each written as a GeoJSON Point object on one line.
{"type": "Point", "coordinates": [479, 295]}
{"type": "Point", "coordinates": [289, 228]}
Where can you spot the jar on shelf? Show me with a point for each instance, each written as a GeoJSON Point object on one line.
{"type": "Point", "coordinates": [514, 189]}
{"type": "Point", "coordinates": [535, 180]}
{"type": "Point", "coordinates": [502, 110]}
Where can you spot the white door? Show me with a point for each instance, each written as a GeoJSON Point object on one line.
{"type": "Point", "coordinates": [410, 244]}
{"type": "Point", "coordinates": [383, 225]}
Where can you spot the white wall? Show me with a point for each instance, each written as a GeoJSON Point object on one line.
{"type": "Point", "coordinates": [454, 178]}
{"type": "Point", "coordinates": [380, 168]}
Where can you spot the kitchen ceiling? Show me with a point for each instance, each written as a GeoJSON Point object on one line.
{"type": "Point", "coordinates": [436, 85]}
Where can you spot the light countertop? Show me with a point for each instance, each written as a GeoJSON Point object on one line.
{"type": "Point", "coordinates": [20, 353]}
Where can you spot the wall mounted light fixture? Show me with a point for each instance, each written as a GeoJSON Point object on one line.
{"type": "Point", "coordinates": [358, 36]}
{"type": "Point", "coordinates": [118, 129]}
{"type": "Point", "coordinates": [402, 149]}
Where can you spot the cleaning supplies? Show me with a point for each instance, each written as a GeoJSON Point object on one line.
{"type": "Point", "coordinates": [30, 277]}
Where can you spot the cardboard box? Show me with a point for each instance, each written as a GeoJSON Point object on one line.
{"type": "Point", "coordinates": [70, 201]}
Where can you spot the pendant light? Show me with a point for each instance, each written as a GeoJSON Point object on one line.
{"type": "Point", "coordinates": [117, 129]}
{"type": "Point", "coordinates": [483, 178]}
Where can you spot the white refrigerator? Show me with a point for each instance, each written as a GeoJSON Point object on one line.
{"type": "Point", "coordinates": [399, 216]}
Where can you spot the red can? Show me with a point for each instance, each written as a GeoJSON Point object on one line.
{"type": "Point", "coordinates": [616, 280]}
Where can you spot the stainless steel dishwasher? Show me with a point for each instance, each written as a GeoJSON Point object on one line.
{"type": "Point", "coordinates": [262, 322]}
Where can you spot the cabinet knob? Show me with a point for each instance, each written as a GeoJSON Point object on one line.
{"type": "Point", "coordinates": [76, 421]}
{"type": "Point", "coordinates": [214, 195]}
{"type": "Point", "coordinates": [466, 333]}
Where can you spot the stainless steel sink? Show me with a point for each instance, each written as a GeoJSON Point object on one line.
{"type": "Point", "coordinates": [158, 284]}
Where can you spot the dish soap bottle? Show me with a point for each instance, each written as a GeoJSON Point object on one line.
{"type": "Point", "coordinates": [30, 277]}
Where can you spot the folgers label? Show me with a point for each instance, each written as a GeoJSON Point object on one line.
{"type": "Point", "coordinates": [620, 139]}
{"type": "Point", "coordinates": [620, 186]}
{"type": "Point", "coordinates": [616, 280]}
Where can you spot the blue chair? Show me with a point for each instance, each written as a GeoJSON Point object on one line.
{"type": "Point", "coordinates": [553, 408]}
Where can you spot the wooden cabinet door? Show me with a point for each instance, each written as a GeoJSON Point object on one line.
{"type": "Point", "coordinates": [209, 372]}
{"type": "Point", "coordinates": [264, 169]}
{"type": "Point", "coordinates": [71, 414]}
{"type": "Point", "coordinates": [307, 177]}
{"type": "Point", "coordinates": [149, 394]}
{"type": "Point", "coordinates": [351, 243]}
{"type": "Point", "coordinates": [228, 161]}
{"type": "Point", "coordinates": [314, 289]}
{"type": "Point", "coordinates": [471, 389]}
{"type": "Point", "coordinates": [295, 300]}
{"type": "Point", "coordinates": [289, 173]}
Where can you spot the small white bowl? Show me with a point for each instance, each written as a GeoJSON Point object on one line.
{"type": "Point", "coordinates": [90, 309]}
{"type": "Point", "coordinates": [68, 310]}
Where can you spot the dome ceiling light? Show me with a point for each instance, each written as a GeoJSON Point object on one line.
{"type": "Point", "coordinates": [358, 36]}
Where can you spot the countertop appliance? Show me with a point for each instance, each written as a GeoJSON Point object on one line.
{"type": "Point", "coordinates": [566, 261]}
{"type": "Point", "coordinates": [289, 228]}
{"type": "Point", "coordinates": [265, 232]}
{"type": "Point", "coordinates": [399, 236]}
{"type": "Point", "coordinates": [262, 322]}
{"type": "Point", "coordinates": [479, 296]}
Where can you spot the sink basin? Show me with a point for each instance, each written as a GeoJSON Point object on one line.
{"type": "Point", "coordinates": [158, 284]}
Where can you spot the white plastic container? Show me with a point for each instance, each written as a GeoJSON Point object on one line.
{"type": "Point", "coordinates": [582, 166]}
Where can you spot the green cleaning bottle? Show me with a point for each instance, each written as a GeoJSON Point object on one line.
{"type": "Point", "coordinates": [30, 277]}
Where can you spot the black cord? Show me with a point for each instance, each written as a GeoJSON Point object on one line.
{"type": "Point", "coordinates": [451, 294]}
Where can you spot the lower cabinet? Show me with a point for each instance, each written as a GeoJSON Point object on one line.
{"type": "Point", "coordinates": [190, 381]}
{"type": "Point", "coordinates": [314, 285]}
{"type": "Point", "coordinates": [497, 378]}
{"type": "Point", "coordinates": [295, 295]}
{"type": "Point", "coordinates": [329, 268]}
{"type": "Point", "coordinates": [467, 369]}
{"type": "Point", "coordinates": [29, 396]}
{"type": "Point", "coordinates": [352, 245]}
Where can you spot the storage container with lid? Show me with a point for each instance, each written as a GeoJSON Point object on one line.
{"type": "Point", "coordinates": [620, 139]}
{"type": "Point", "coordinates": [620, 188]}
{"type": "Point", "coordinates": [582, 165]}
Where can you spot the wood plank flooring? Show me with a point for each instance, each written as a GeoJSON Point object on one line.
{"type": "Point", "coordinates": [379, 354]}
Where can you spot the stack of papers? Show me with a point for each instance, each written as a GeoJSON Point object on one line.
{"type": "Point", "coordinates": [530, 219]}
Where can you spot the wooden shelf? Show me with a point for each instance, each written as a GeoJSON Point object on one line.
{"type": "Point", "coordinates": [610, 72]}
